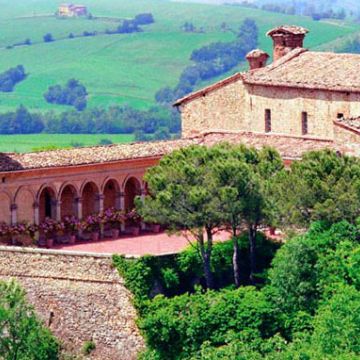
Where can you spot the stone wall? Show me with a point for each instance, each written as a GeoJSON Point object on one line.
{"type": "Point", "coordinates": [221, 109]}
{"type": "Point", "coordinates": [80, 297]}
{"type": "Point", "coordinates": [239, 107]}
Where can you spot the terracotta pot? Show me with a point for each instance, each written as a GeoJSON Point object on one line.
{"type": "Point", "coordinates": [115, 233]}
{"type": "Point", "coordinates": [49, 243]}
{"type": "Point", "coordinates": [72, 239]}
{"type": "Point", "coordinates": [156, 228]}
{"type": "Point", "coordinates": [136, 230]}
{"type": "Point", "coordinates": [95, 236]}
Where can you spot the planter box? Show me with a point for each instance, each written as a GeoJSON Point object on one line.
{"type": "Point", "coordinates": [115, 233]}
{"type": "Point", "coordinates": [95, 236]}
{"type": "Point", "coordinates": [156, 228]}
{"type": "Point", "coordinates": [135, 230]}
{"type": "Point", "coordinates": [72, 239]}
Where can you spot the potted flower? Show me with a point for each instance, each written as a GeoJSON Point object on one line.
{"type": "Point", "coordinates": [93, 225]}
{"type": "Point", "coordinates": [31, 230]}
{"type": "Point", "coordinates": [134, 220]}
{"type": "Point", "coordinates": [50, 228]}
{"type": "Point", "coordinates": [72, 225]}
{"type": "Point", "coordinates": [4, 233]}
{"type": "Point", "coordinates": [115, 218]}
{"type": "Point", "coordinates": [156, 228]}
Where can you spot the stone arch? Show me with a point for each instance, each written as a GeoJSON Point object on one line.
{"type": "Point", "coordinates": [46, 199]}
{"type": "Point", "coordinates": [110, 190]}
{"type": "Point", "coordinates": [132, 189]}
{"type": "Point", "coordinates": [25, 200]}
{"type": "Point", "coordinates": [68, 196]}
{"type": "Point", "coordinates": [5, 208]}
{"type": "Point", "coordinates": [90, 198]}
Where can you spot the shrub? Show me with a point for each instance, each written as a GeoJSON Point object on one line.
{"type": "Point", "coordinates": [48, 37]}
{"type": "Point", "coordinates": [9, 78]}
{"type": "Point", "coordinates": [88, 347]}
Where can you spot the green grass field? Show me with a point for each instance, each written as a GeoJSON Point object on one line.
{"type": "Point", "coordinates": [27, 143]}
{"type": "Point", "coordinates": [121, 69]}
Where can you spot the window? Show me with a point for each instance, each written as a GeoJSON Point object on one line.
{"type": "Point", "coordinates": [304, 123]}
{"type": "Point", "coordinates": [340, 116]}
{"type": "Point", "coordinates": [267, 120]}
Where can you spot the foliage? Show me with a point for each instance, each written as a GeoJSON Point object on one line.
{"type": "Point", "coordinates": [22, 335]}
{"type": "Point", "coordinates": [48, 38]}
{"type": "Point", "coordinates": [115, 120]}
{"type": "Point", "coordinates": [144, 19]}
{"type": "Point", "coordinates": [74, 93]}
{"type": "Point", "coordinates": [324, 186]}
{"type": "Point", "coordinates": [11, 77]}
{"type": "Point", "coordinates": [211, 60]}
{"type": "Point", "coordinates": [186, 321]}
{"type": "Point", "coordinates": [88, 347]}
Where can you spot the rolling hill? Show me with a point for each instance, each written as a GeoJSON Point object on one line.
{"type": "Point", "coordinates": [123, 68]}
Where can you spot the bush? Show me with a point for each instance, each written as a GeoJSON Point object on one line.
{"type": "Point", "coordinates": [22, 334]}
{"type": "Point", "coordinates": [11, 77]}
{"type": "Point", "coordinates": [74, 93]}
{"type": "Point", "coordinates": [88, 347]}
{"type": "Point", "coordinates": [48, 37]}
{"type": "Point", "coordinates": [180, 325]}
{"type": "Point", "coordinates": [144, 19]}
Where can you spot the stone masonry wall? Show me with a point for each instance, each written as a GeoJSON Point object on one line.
{"type": "Point", "coordinates": [80, 298]}
{"type": "Point", "coordinates": [239, 107]}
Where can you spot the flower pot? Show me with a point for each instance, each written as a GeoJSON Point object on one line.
{"type": "Point", "coordinates": [156, 228]}
{"type": "Point", "coordinates": [95, 236]}
{"type": "Point", "coordinates": [49, 243]}
{"type": "Point", "coordinates": [115, 233]}
{"type": "Point", "coordinates": [72, 239]}
{"type": "Point", "coordinates": [136, 230]}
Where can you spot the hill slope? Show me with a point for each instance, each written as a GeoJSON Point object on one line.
{"type": "Point", "coordinates": [118, 69]}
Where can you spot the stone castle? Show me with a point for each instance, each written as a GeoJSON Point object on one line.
{"type": "Point", "coordinates": [303, 101]}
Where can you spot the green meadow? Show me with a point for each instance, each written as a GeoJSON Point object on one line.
{"type": "Point", "coordinates": [126, 68]}
{"type": "Point", "coordinates": [28, 143]}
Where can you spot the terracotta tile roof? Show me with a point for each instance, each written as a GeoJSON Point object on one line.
{"type": "Point", "coordinates": [89, 155]}
{"type": "Point", "coordinates": [311, 70]}
{"type": "Point", "coordinates": [288, 29]}
{"type": "Point", "coordinates": [288, 146]}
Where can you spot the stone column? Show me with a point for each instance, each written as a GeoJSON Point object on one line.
{"type": "Point", "coordinates": [120, 199]}
{"type": "Point", "coordinates": [100, 203]}
{"type": "Point", "coordinates": [143, 194]}
{"type": "Point", "coordinates": [58, 210]}
{"type": "Point", "coordinates": [13, 209]}
{"type": "Point", "coordinates": [79, 210]}
{"type": "Point", "coordinates": [36, 213]}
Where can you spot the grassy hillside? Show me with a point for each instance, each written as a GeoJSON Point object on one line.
{"type": "Point", "coordinates": [118, 69]}
{"type": "Point", "coordinates": [27, 143]}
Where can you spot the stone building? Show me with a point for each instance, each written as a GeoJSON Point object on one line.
{"type": "Point", "coordinates": [302, 93]}
{"type": "Point", "coordinates": [302, 101]}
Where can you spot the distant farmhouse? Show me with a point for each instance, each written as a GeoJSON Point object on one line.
{"type": "Point", "coordinates": [71, 10]}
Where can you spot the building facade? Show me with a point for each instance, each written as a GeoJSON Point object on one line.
{"type": "Point", "coordinates": [71, 10]}
{"type": "Point", "coordinates": [302, 101]}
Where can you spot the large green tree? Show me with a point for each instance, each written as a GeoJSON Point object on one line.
{"type": "Point", "coordinates": [242, 175]}
{"type": "Point", "coordinates": [324, 185]}
{"type": "Point", "coordinates": [22, 335]}
{"type": "Point", "coordinates": [184, 197]}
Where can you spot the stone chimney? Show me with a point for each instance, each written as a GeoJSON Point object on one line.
{"type": "Point", "coordinates": [257, 59]}
{"type": "Point", "coordinates": [287, 38]}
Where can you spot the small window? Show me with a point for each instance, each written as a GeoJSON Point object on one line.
{"type": "Point", "coordinates": [340, 116]}
{"type": "Point", "coordinates": [304, 123]}
{"type": "Point", "coordinates": [267, 120]}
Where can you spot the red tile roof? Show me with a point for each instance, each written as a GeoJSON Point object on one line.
{"type": "Point", "coordinates": [290, 147]}
{"type": "Point", "coordinates": [310, 70]}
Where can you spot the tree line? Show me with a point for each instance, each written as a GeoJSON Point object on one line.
{"type": "Point", "coordinates": [316, 12]}
{"type": "Point", "coordinates": [114, 120]}
{"type": "Point", "coordinates": [211, 61]}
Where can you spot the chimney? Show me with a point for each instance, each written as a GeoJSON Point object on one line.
{"type": "Point", "coordinates": [257, 59]}
{"type": "Point", "coordinates": [287, 38]}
